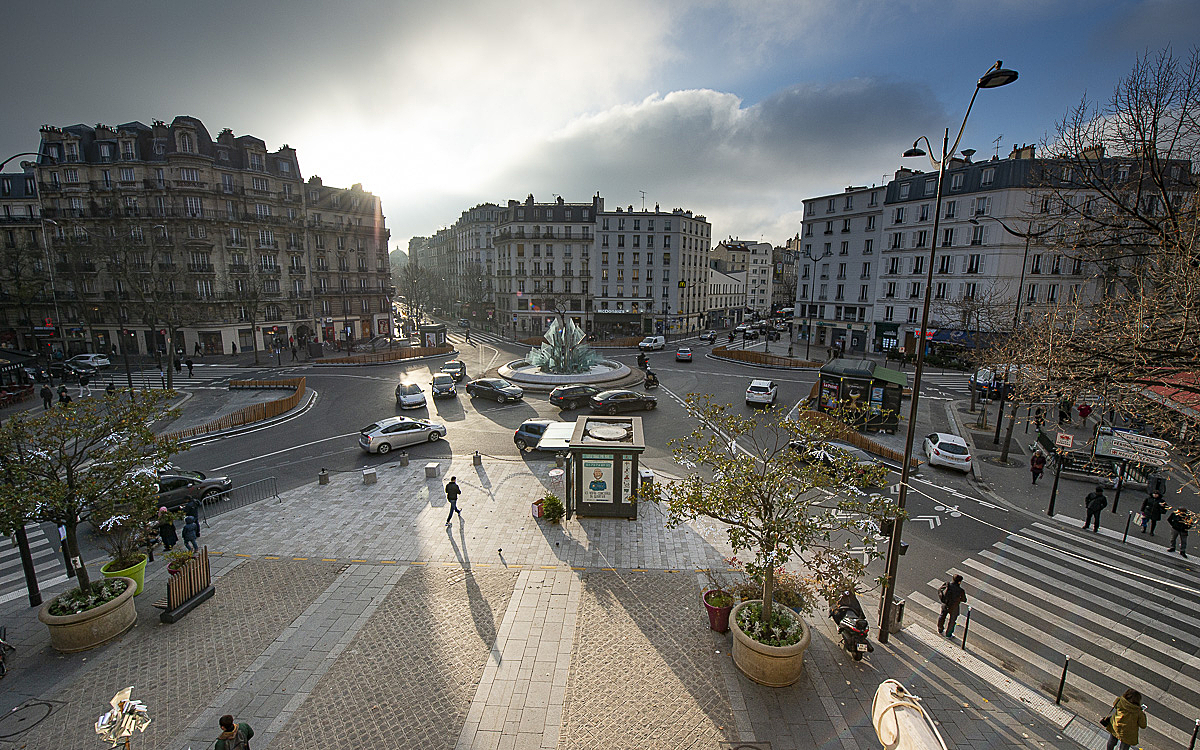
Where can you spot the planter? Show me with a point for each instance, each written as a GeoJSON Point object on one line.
{"type": "Point", "coordinates": [137, 573]}
{"type": "Point", "coordinates": [773, 666]}
{"type": "Point", "coordinates": [96, 626]}
{"type": "Point", "coordinates": [718, 617]}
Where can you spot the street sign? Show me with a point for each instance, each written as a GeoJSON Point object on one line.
{"type": "Point", "coordinates": [1145, 450]}
{"type": "Point", "coordinates": [1118, 451]}
{"type": "Point", "coordinates": [1136, 439]}
{"type": "Point", "coordinates": [1064, 440]}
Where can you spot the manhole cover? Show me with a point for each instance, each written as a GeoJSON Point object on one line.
{"type": "Point", "coordinates": [25, 717]}
{"type": "Point", "coordinates": [608, 432]}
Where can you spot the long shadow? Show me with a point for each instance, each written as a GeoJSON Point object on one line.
{"type": "Point", "coordinates": [482, 614]}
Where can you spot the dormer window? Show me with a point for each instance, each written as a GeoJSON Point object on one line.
{"type": "Point", "coordinates": [185, 143]}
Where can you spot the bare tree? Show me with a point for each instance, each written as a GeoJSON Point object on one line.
{"type": "Point", "coordinates": [415, 283]}
{"type": "Point", "coordinates": [25, 283]}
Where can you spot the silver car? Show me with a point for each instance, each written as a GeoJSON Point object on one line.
{"type": "Point", "coordinates": [397, 432]}
{"type": "Point", "coordinates": [409, 396]}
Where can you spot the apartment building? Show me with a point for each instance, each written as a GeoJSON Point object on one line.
{"type": "Point", "coordinates": [26, 307]}
{"type": "Point", "coordinates": [162, 227]}
{"type": "Point", "coordinates": [474, 260]}
{"type": "Point", "coordinates": [755, 260]}
{"type": "Point", "coordinates": [726, 299]}
{"type": "Point", "coordinates": [784, 275]}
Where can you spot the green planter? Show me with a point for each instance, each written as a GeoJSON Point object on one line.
{"type": "Point", "coordinates": [137, 573]}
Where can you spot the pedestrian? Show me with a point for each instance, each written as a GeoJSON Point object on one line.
{"type": "Point", "coordinates": [47, 396]}
{"type": "Point", "coordinates": [294, 352]}
{"type": "Point", "coordinates": [1037, 464]}
{"type": "Point", "coordinates": [190, 364]}
{"type": "Point", "coordinates": [1180, 521]}
{"type": "Point", "coordinates": [63, 396]}
{"type": "Point", "coordinates": [84, 381]}
{"type": "Point", "coordinates": [166, 530]}
{"type": "Point", "coordinates": [452, 493]}
{"type": "Point", "coordinates": [111, 389]}
{"type": "Point", "coordinates": [192, 508]}
{"type": "Point", "coordinates": [233, 736]}
{"type": "Point", "coordinates": [1084, 410]}
{"type": "Point", "coordinates": [197, 351]}
{"type": "Point", "coordinates": [1064, 411]}
{"type": "Point", "coordinates": [178, 364]}
{"type": "Point", "coordinates": [233, 348]}
{"type": "Point", "coordinates": [952, 595]}
{"type": "Point", "coordinates": [1128, 715]}
{"type": "Point", "coordinates": [191, 532]}
{"type": "Point", "coordinates": [1039, 417]}
{"type": "Point", "coordinates": [1152, 511]}
{"type": "Point", "coordinates": [1094, 503]}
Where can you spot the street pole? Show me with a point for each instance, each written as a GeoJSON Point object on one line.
{"type": "Point", "coordinates": [1058, 464]}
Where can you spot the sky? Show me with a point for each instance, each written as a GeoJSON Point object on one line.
{"type": "Point", "coordinates": [734, 109]}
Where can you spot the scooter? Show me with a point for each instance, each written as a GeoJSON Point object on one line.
{"type": "Point", "coordinates": [651, 381]}
{"type": "Point", "coordinates": [5, 647]}
{"type": "Point", "coordinates": [852, 626]}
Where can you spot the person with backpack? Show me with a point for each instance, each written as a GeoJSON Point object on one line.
{"type": "Point", "coordinates": [233, 736]}
{"type": "Point", "coordinates": [1094, 503]}
{"type": "Point", "coordinates": [1152, 511]}
{"type": "Point", "coordinates": [951, 595]}
{"type": "Point", "coordinates": [1180, 521]}
{"type": "Point", "coordinates": [191, 532]}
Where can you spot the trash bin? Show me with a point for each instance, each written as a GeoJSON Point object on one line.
{"type": "Point", "coordinates": [537, 508]}
{"type": "Point", "coordinates": [897, 619]}
{"type": "Point", "coordinates": [646, 476]}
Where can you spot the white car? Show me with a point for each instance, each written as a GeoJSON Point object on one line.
{"type": "Point", "coordinates": [762, 392]}
{"type": "Point", "coordinates": [653, 344]}
{"type": "Point", "coordinates": [948, 450]}
{"type": "Point", "coordinates": [397, 432]}
{"type": "Point", "coordinates": [99, 361]}
{"type": "Point", "coordinates": [409, 396]}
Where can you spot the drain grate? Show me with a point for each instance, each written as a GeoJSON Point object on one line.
{"type": "Point", "coordinates": [25, 717]}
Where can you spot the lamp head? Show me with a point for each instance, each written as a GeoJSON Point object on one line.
{"type": "Point", "coordinates": [996, 77]}
{"type": "Point", "coordinates": [915, 150]}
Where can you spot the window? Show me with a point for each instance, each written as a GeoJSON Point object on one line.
{"type": "Point", "coordinates": [185, 143]}
{"type": "Point", "coordinates": [845, 249]}
{"type": "Point", "coordinates": [890, 290]}
{"type": "Point", "coordinates": [1056, 264]}
{"type": "Point", "coordinates": [914, 290]}
{"type": "Point", "coordinates": [262, 210]}
{"type": "Point", "coordinates": [893, 266]}
{"type": "Point", "coordinates": [1031, 296]}
{"type": "Point", "coordinates": [974, 263]}
{"type": "Point", "coordinates": [979, 235]}
{"type": "Point", "coordinates": [1076, 268]}
{"type": "Point", "coordinates": [849, 204]}
{"type": "Point", "coordinates": [204, 287]}
{"type": "Point", "coordinates": [1052, 293]}
{"type": "Point", "coordinates": [930, 187]}
{"type": "Point", "coordinates": [897, 240]}
{"type": "Point", "coordinates": [866, 271]}
{"type": "Point", "coordinates": [862, 292]}
{"type": "Point", "coordinates": [948, 237]}
{"type": "Point", "coordinates": [192, 205]}
{"type": "Point", "coordinates": [918, 264]}
{"type": "Point", "coordinates": [904, 188]}
{"type": "Point", "coordinates": [982, 206]}
{"type": "Point", "coordinates": [920, 238]}
{"type": "Point", "coordinates": [970, 289]}
{"type": "Point", "coordinates": [829, 206]}
{"type": "Point", "coordinates": [829, 227]}
{"type": "Point", "coordinates": [870, 223]}
{"type": "Point", "coordinates": [889, 313]}
{"type": "Point", "coordinates": [956, 181]}
{"type": "Point", "coordinates": [841, 274]}
{"type": "Point", "coordinates": [71, 175]}
{"type": "Point", "coordinates": [260, 183]}
{"type": "Point", "coordinates": [898, 215]}
{"type": "Point", "coordinates": [189, 175]}
{"type": "Point", "coordinates": [989, 176]}
{"type": "Point", "coordinates": [912, 314]}
{"type": "Point", "coordinates": [939, 291]}
{"type": "Point", "coordinates": [945, 264]}
{"type": "Point", "coordinates": [1035, 265]}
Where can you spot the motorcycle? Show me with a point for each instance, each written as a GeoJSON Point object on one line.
{"type": "Point", "coordinates": [852, 626]}
{"type": "Point", "coordinates": [651, 381]}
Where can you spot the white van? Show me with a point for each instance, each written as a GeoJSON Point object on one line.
{"type": "Point", "coordinates": [653, 344]}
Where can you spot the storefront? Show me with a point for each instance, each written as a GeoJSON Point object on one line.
{"type": "Point", "coordinates": [618, 322]}
{"type": "Point", "coordinates": [210, 342]}
{"type": "Point", "coordinates": [886, 337]}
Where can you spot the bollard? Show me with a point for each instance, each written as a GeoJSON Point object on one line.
{"type": "Point", "coordinates": [1195, 731]}
{"type": "Point", "coordinates": [1128, 519]}
{"type": "Point", "coordinates": [477, 459]}
{"type": "Point", "coordinates": [404, 458]}
{"type": "Point", "coordinates": [369, 476]}
{"type": "Point", "coordinates": [1063, 681]}
{"type": "Point", "coordinates": [323, 477]}
{"type": "Point", "coordinates": [966, 627]}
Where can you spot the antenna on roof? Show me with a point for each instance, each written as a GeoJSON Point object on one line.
{"type": "Point", "coordinates": [643, 192]}
{"type": "Point", "coordinates": [997, 142]}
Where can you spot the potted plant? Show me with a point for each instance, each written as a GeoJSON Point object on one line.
{"type": "Point", "coordinates": [94, 461]}
{"type": "Point", "coordinates": [552, 508]}
{"type": "Point", "coordinates": [177, 559]}
{"type": "Point", "coordinates": [718, 603]}
{"type": "Point", "coordinates": [757, 476]}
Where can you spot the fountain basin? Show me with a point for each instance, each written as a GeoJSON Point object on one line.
{"type": "Point", "coordinates": [527, 376]}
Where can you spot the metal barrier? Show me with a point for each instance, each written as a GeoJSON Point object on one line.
{"type": "Point", "coordinates": [240, 497]}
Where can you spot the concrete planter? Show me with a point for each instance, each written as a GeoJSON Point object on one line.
{"type": "Point", "coordinates": [773, 666]}
{"type": "Point", "coordinates": [96, 626]}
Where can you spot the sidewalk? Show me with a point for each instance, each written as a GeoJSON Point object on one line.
{"type": "Point", "coordinates": [348, 615]}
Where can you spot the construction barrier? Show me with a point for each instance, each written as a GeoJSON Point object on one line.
{"type": "Point", "coordinates": [252, 413]}
{"type": "Point", "coordinates": [392, 355]}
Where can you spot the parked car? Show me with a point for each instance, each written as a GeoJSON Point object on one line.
{"type": "Point", "coordinates": [498, 389]}
{"type": "Point", "coordinates": [409, 396]}
{"type": "Point", "coordinates": [986, 383]}
{"type": "Point", "coordinates": [98, 361]}
{"type": "Point", "coordinates": [572, 396]}
{"type": "Point", "coordinates": [709, 337]}
{"type": "Point", "coordinates": [683, 354]}
{"type": "Point", "coordinates": [653, 344]}
{"type": "Point", "coordinates": [397, 432]}
{"type": "Point", "coordinates": [750, 334]}
{"type": "Point", "coordinates": [177, 486]}
{"type": "Point", "coordinates": [763, 392]}
{"type": "Point", "coordinates": [611, 402]}
{"type": "Point", "coordinates": [947, 450]}
{"type": "Point", "coordinates": [443, 385]}
{"type": "Point", "coordinates": [455, 368]}
{"type": "Point", "coordinates": [529, 433]}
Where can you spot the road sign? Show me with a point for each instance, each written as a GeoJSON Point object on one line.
{"type": "Point", "coordinates": [1064, 440]}
{"type": "Point", "coordinates": [1136, 439]}
{"type": "Point", "coordinates": [1144, 450]}
{"type": "Point", "coordinates": [1118, 451]}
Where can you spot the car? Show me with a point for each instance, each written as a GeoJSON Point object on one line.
{"type": "Point", "coordinates": [69, 371]}
{"type": "Point", "coordinates": [572, 396]}
{"type": "Point", "coordinates": [443, 385]}
{"type": "Point", "coordinates": [176, 487]}
{"type": "Point", "coordinates": [464, 323]}
{"type": "Point", "coordinates": [683, 354]}
{"type": "Point", "coordinates": [833, 450]}
{"type": "Point", "coordinates": [985, 382]}
{"type": "Point", "coordinates": [762, 392]}
{"type": "Point", "coordinates": [750, 333]}
{"type": "Point", "coordinates": [951, 451]}
{"type": "Point", "coordinates": [409, 396]}
{"type": "Point", "coordinates": [36, 373]}
{"type": "Point", "coordinates": [611, 402]}
{"type": "Point", "coordinates": [742, 328]}
{"type": "Point", "coordinates": [772, 335]}
{"type": "Point", "coordinates": [653, 343]}
{"type": "Point", "coordinates": [456, 369]}
{"type": "Point", "coordinates": [98, 361]}
{"type": "Point", "coordinates": [708, 337]}
{"type": "Point", "coordinates": [397, 432]}
{"type": "Point", "coordinates": [498, 389]}
{"type": "Point", "coordinates": [529, 433]}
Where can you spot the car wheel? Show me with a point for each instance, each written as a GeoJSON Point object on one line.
{"type": "Point", "coordinates": [435, 436]}
{"type": "Point", "coordinates": [209, 497]}
{"type": "Point", "coordinates": [522, 446]}
{"type": "Point", "coordinates": [384, 448]}
{"type": "Point", "coordinates": [501, 399]}
{"type": "Point", "coordinates": [610, 411]}
{"type": "Point", "coordinates": [652, 405]}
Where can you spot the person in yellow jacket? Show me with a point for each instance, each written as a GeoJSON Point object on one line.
{"type": "Point", "coordinates": [1126, 718]}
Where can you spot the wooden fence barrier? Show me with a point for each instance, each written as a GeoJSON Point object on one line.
{"type": "Point", "coordinates": [761, 358]}
{"type": "Point", "coordinates": [252, 413]}
{"type": "Point", "coordinates": [187, 588]}
{"type": "Point", "coordinates": [404, 352]}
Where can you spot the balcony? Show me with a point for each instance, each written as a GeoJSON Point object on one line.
{"type": "Point", "coordinates": [297, 270]}
{"type": "Point", "coordinates": [269, 269]}
{"type": "Point", "coordinates": [239, 268]}
{"type": "Point", "coordinates": [298, 294]}
{"type": "Point", "coordinates": [201, 268]}
{"type": "Point", "coordinates": [265, 244]}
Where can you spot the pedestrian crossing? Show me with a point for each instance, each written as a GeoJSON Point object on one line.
{"type": "Point", "coordinates": [154, 378]}
{"type": "Point", "coordinates": [1126, 617]}
{"type": "Point", "coordinates": [955, 383]}
{"type": "Point", "coordinates": [47, 562]}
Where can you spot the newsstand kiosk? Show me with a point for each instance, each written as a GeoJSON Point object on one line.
{"type": "Point", "coordinates": [602, 466]}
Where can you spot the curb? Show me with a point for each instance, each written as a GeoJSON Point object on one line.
{"type": "Point", "coordinates": [952, 413]}
{"type": "Point", "coordinates": [311, 398]}
{"type": "Point", "coordinates": [784, 368]}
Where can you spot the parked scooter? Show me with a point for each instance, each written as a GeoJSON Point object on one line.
{"type": "Point", "coordinates": [852, 626]}
{"type": "Point", "coordinates": [5, 647]}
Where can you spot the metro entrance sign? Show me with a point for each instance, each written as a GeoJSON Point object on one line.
{"type": "Point", "coordinates": [1140, 440]}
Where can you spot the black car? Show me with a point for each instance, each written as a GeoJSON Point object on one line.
{"type": "Point", "coordinates": [456, 369]}
{"type": "Point", "coordinates": [529, 433]}
{"type": "Point", "coordinates": [443, 385]}
{"type": "Point", "coordinates": [36, 373]}
{"type": "Point", "coordinates": [572, 396]}
{"type": "Point", "coordinates": [750, 333]}
{"type": "Point", "coordinates": [611, 402]}
{"type": "Point", "coordinates": [72, 371]}
{"type": "Point", "coordinates": [498, 389]}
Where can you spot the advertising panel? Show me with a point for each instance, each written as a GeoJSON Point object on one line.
{"type": "Point", "coordinates": [597, 478]}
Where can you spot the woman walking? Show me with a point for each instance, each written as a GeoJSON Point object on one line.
{"type": "Point", "coordinates": [1125, 719]}
{"type": "Point", "coordinates": [1037, 464]}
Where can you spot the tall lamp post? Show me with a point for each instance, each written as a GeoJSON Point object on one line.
{"type": "Point", "coordinates": [812, 288]}
{"type": "Point", "coordinates": [995, 77]}
{"type": "Point", "coordinates": [1029, 235]}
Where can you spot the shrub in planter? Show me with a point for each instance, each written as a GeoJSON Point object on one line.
{"type": "Point", "coordinates": [177, 558]}
{"type": "Point", "coordinates": [74, 602]}
{"type": "Point", "coordinates": [552, 508]}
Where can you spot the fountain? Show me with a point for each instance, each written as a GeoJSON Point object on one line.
{"type": "Point", "coordinates": [563, 358]}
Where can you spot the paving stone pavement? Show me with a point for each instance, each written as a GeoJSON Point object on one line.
{"type": "Point", "coordinates": [348, 615]}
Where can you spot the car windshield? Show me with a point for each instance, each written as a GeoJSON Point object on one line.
{"type": "Point", "coordinates": [957, 450]}
{"type": "Point", "coordinates": [757, 388]}
{"type": "Point", "coordinates": [409, 389]}
{"type": "Point", "coordinates": [442, 379]}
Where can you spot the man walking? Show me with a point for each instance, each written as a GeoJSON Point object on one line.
{"type": "Point", "coordinates": [1037, 464]}
{"type": "Point", "coordinates": [1095, 502]}
{"type": "Point", "coordinates": [1152, 511]}
{"type": "Point", "coordinates": [1180, 521]}
{"type": "Point", "coordinates": [190, 364]}
{"type": "Point", "coordinates": [84, 385]}
{"type": "Point", "coordinates": [952, 596]}
{"type": "Point", "coordinates": [47, 396]}
{"type": "Point", "coordinates": [233, 736]}
{"type": "Point", "coordinates": [452, 493]}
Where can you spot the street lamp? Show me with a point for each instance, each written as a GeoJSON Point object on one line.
{"type": "Point", "coordinates": [812, 287]}
{"type": "Point", "coordinates": [996, 76]}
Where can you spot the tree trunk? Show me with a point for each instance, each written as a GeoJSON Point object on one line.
{"type": "Point", "coordinates": [768, 594]}
{"type": "Point", "coordinates": [81, 574]}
